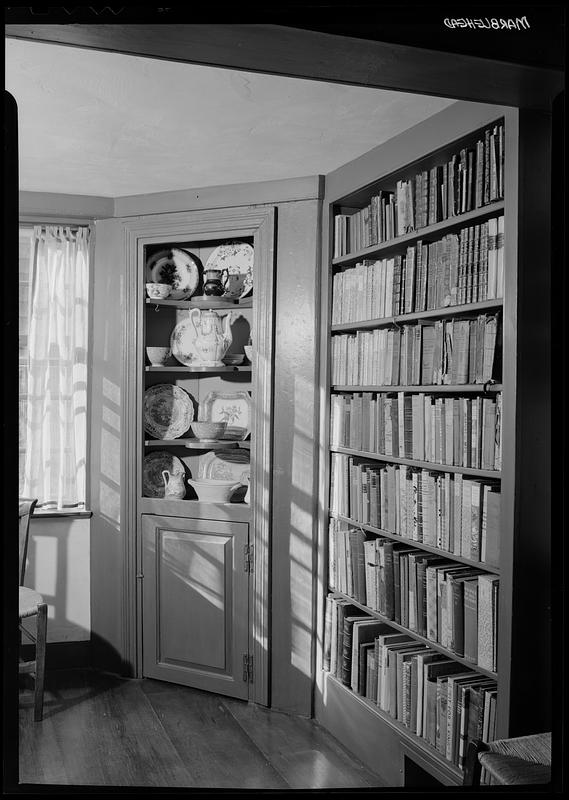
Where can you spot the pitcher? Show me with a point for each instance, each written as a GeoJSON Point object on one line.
{"type": "Point", "coordinates": [214, 280]}
{"type": "Point", "coordinates": [213, 336]}
{"type": "Point", "coordinates": [174, 485]}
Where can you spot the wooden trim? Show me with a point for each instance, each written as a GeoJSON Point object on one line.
{"type": "Point", "coordinates": [444, 388]}
{"type": "Point", "coordinates": [281, 50]}
{"type": "Point", "coordinates": [230, 196]}
{"type": "Point", "coordinates": [79, 208]}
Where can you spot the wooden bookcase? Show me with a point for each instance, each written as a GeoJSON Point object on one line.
{"type": "Point", "coordinates": [374, 735]}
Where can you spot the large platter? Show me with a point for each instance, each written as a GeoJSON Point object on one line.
{"type": "Point", "coordinates": [233, 408]}
{"type": "Point", "coordinates": [237, 259]}
{"type": "Point", "coordinates": [178, 268]}
{"type": "Point", "coordinates": [154, 464]}
{"type": "Point", "coordinates": [182, 346]}
{"type": "Point", "coordinates": [168, 411]}
{"type": "Point", "coordinates": [228, 465]}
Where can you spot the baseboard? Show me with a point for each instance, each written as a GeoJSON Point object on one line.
{"type": "Point", "coordinates": [62, 655]}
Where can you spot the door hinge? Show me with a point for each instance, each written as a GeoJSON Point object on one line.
{"type": "Point", "coordinates": [247, 668]}
{"type": "Point", "coordinates": [248, 563]}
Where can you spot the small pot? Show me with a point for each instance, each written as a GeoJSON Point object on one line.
{"type": "Point", "coordinates": [158, 291]}
{"type": "Point", "coordinates": [158, 355]}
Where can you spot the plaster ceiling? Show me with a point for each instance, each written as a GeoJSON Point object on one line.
{"type": "Point", "coordinates": [107, 124]}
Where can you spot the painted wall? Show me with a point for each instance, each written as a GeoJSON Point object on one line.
{"type": "Point", "coordinates": [59, 569]}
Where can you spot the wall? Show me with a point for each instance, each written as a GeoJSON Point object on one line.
{"type": "Point", "coordinates": [59, 569]}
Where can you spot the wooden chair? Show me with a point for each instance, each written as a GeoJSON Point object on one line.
{"type": "Point", "coordinates": [517, 761]}
{"type": "Point", "coordinates": [32, 605]}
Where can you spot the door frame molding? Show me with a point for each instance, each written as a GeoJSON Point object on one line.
{"type": "Point", "coordinates": [237, 222]}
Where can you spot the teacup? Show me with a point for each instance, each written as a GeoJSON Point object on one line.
{"type": "Point", "coordinates": [158, 291]}
{"type": "Point", "coordinates": [158, 355]}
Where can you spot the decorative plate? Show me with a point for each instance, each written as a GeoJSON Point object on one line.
{"type": "Point", "coordinates": [235, 409]}
{"type": "Point", "coordinates": [168, 411]}
{"type": "Point", "coordinates": [182, 344]}
{"type": "Point", "coordinates": [154, 464]}
{"type": "Point", "coordinates": [237, 259]}
{"type": "Point", "coordinates": [176, 267]}
{"type": "Point", "coordinates": [229, 465]}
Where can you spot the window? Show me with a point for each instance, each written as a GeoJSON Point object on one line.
{"type": "Point", "coordinates": [53, 319]}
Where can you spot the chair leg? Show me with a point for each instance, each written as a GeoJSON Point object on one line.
{"type": "Point", "coordinates": [40, 661]}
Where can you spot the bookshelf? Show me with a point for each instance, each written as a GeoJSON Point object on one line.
{"type": "Point", "coordinates": [420, 447]}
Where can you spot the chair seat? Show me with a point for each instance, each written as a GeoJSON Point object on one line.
{"type": "Point", "coordinates": [29, 601]}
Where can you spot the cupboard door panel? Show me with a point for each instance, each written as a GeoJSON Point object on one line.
{"type": "Point", "coordinates": [195, 603]}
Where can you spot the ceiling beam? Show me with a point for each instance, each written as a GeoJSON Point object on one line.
{"type": "Point", "coordinates": [282, 50]}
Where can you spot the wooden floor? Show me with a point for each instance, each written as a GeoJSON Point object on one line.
{"type": "Point", "coordinates": [102, 730]}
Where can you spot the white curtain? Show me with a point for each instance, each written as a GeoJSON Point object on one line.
{"type": "Point", "coordinates": [57, 372]}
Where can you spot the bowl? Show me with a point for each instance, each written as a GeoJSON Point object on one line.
{"type": "Point", "coordinates": [158, 355]}
{"type": "Point", "coordinates": [249, 352]}
{"type": "Point", "coordinates": [210, 490]}
{"type": "Point", "coordinates": [158, 291]}
{"type": "Point", "coordinates": [233, 359]}
{"type": "Point", "coordinates": [202, 429]}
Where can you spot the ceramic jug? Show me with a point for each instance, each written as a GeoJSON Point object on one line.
{"type": "Point", "coordinates": [174, 484]}
{"type": "Point", "coordinates": [213, 336]}
{"type": "Point", "coordinates": [214, 280]}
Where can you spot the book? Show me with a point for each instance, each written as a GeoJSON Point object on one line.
{"type": "Point", "coordinates": [431, 672]}
{"type": "Point", "coordinates": [490, 528]}
{"type": "Point", "coordinates": [487, 610]}
{"type": "Point", "coordinates": [346, 661]}
{"type": "Point", "coordinates": [363, 631]}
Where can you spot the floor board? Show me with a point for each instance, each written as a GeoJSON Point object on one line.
{"type": "Point", "coordinates": [102, 730]}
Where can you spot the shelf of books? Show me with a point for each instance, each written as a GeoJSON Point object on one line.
{"type": "Point", "coordinates": [414, 448]}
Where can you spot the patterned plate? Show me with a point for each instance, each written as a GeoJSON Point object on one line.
{"type": "Point", "coordinates": [182, 344]}
{"type": "Point", "coordinates": [168, 411]}
{"type": "Point", "coordinates": [237, 259]}
{"type": "Point", "coordinates": [235, 409]}
{"type": "Point", "coordinates": [154, 464]}
{"type": "Point", "coordinates": [178, 268]}
{"type": "Point", "coordinates": [229, 465]}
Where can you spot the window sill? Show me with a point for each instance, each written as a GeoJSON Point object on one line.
{"type": "Point", "coordinates": [54, 512]}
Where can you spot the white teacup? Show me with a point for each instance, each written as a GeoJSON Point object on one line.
{"type": "Point", "coordinates": [158, 291]}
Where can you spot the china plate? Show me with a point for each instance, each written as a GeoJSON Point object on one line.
{"type": "Point", "coordinates": [168, 411]}
{"type": "Point", "coordinates": [237, 259]}
{"type": "Point", "coordinates": [182, 344]}
{"type": "Point", "coordinates": [234, 408]}
{"type": "Point", "coordinates": [176, 267]}
{"type": "Point", "coordinates": [154, 464]}
{"type": "Point", "coordinates": [224, 466]}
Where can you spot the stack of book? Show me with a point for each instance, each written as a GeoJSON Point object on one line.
{"type": "Point", "coordinates": [451, 351]}
{"type": "Point", "coordinates": [458, 269]}
{"type": "Point", "coordinates": [440, 509]}
{"type": "Point", "coordinates": [470, 179]}
{"type": "Point", "coordinates": [434, 697]}
{"type": "Point", "coordinates": [458, 431]}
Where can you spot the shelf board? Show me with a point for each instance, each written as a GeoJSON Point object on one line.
{"type": "Point", "coordinates": [454, 773]}
{"type": "Point", "coordinates": [220, 445]}
{"type": "Point", "coordinates": [212, 370]}
{"type": "Point", "coordinates": [447, 311]}
{"type": "Point", "coordinates": [457, 388]}
{"type": "Point", "coordinates": [418, 637]}
{"type": "Point", "coordinates": [428, 465]}
{"type": "Point", "coordinates": [419, 545]}
{"type": "Point", "coordinates": [195, 509]}
{"type": "Point", "coordinates": [218, 304]}
{"type": "Point", "coordinates": [447, 225]}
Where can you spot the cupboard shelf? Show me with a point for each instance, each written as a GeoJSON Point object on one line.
{"type": "Point", "coordinates": [418, 637]}
{"type": "Point", "coordinates": [214, 304]}
{"type": "Point", "coordinates": [447, 311]}
{"type": "Point", "coordinates": [210, 370]}
{"type": "Point", "coordinates": [420, 545]}
{"type": "Point", "coordinates": [447, 225]}
{"type": "Point", "coordinates": [428, 465]}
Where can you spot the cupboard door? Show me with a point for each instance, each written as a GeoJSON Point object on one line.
{"type": "Point", "coordinates": [195, 603]}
